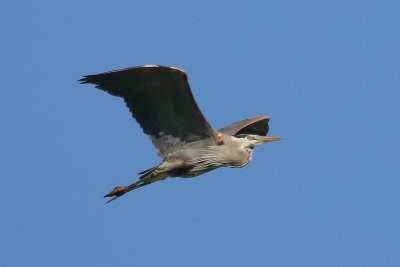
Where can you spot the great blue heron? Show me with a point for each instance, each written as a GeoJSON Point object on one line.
{"type": "Point", "coordinates": [161, 101]}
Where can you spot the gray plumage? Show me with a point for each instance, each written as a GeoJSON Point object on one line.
{"type": "Point", "coordinates": [161, 101]}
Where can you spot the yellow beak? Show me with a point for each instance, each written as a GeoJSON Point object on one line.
{"type": "Point", "coordinates": [269, 139]}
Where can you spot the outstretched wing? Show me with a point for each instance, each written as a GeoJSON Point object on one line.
{"type": "Point", "coordinates": [255, 125]}
{"type": "Point", "coordinates": [161, 101]}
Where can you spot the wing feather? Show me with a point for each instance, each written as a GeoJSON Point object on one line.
{"type": "Point", "coordinates": [256, 125]}
{"type": "Point", "coordinates": [161, 101]}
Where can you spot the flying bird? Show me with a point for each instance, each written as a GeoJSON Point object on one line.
{"type": "Point", "coordinates": [161, 101]}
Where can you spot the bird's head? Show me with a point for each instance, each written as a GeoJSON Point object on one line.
{"type": "Point", "coordinates": [252, 140]}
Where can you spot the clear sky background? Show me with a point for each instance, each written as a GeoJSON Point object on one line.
{"type": "Point", "coordinates": [327, 72]}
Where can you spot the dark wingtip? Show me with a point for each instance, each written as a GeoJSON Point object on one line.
{"type": "Point", "coordinates": [84, 79]}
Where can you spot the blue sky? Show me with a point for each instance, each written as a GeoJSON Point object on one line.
{"type": "Point", "coordinates": [327, 72]}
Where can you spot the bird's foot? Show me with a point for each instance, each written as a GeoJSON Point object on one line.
{"type": "Point", "coordinates": [117, 192]}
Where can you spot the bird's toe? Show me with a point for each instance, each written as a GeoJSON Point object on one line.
{"type": "Point", "coordinates": [117, 191]}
